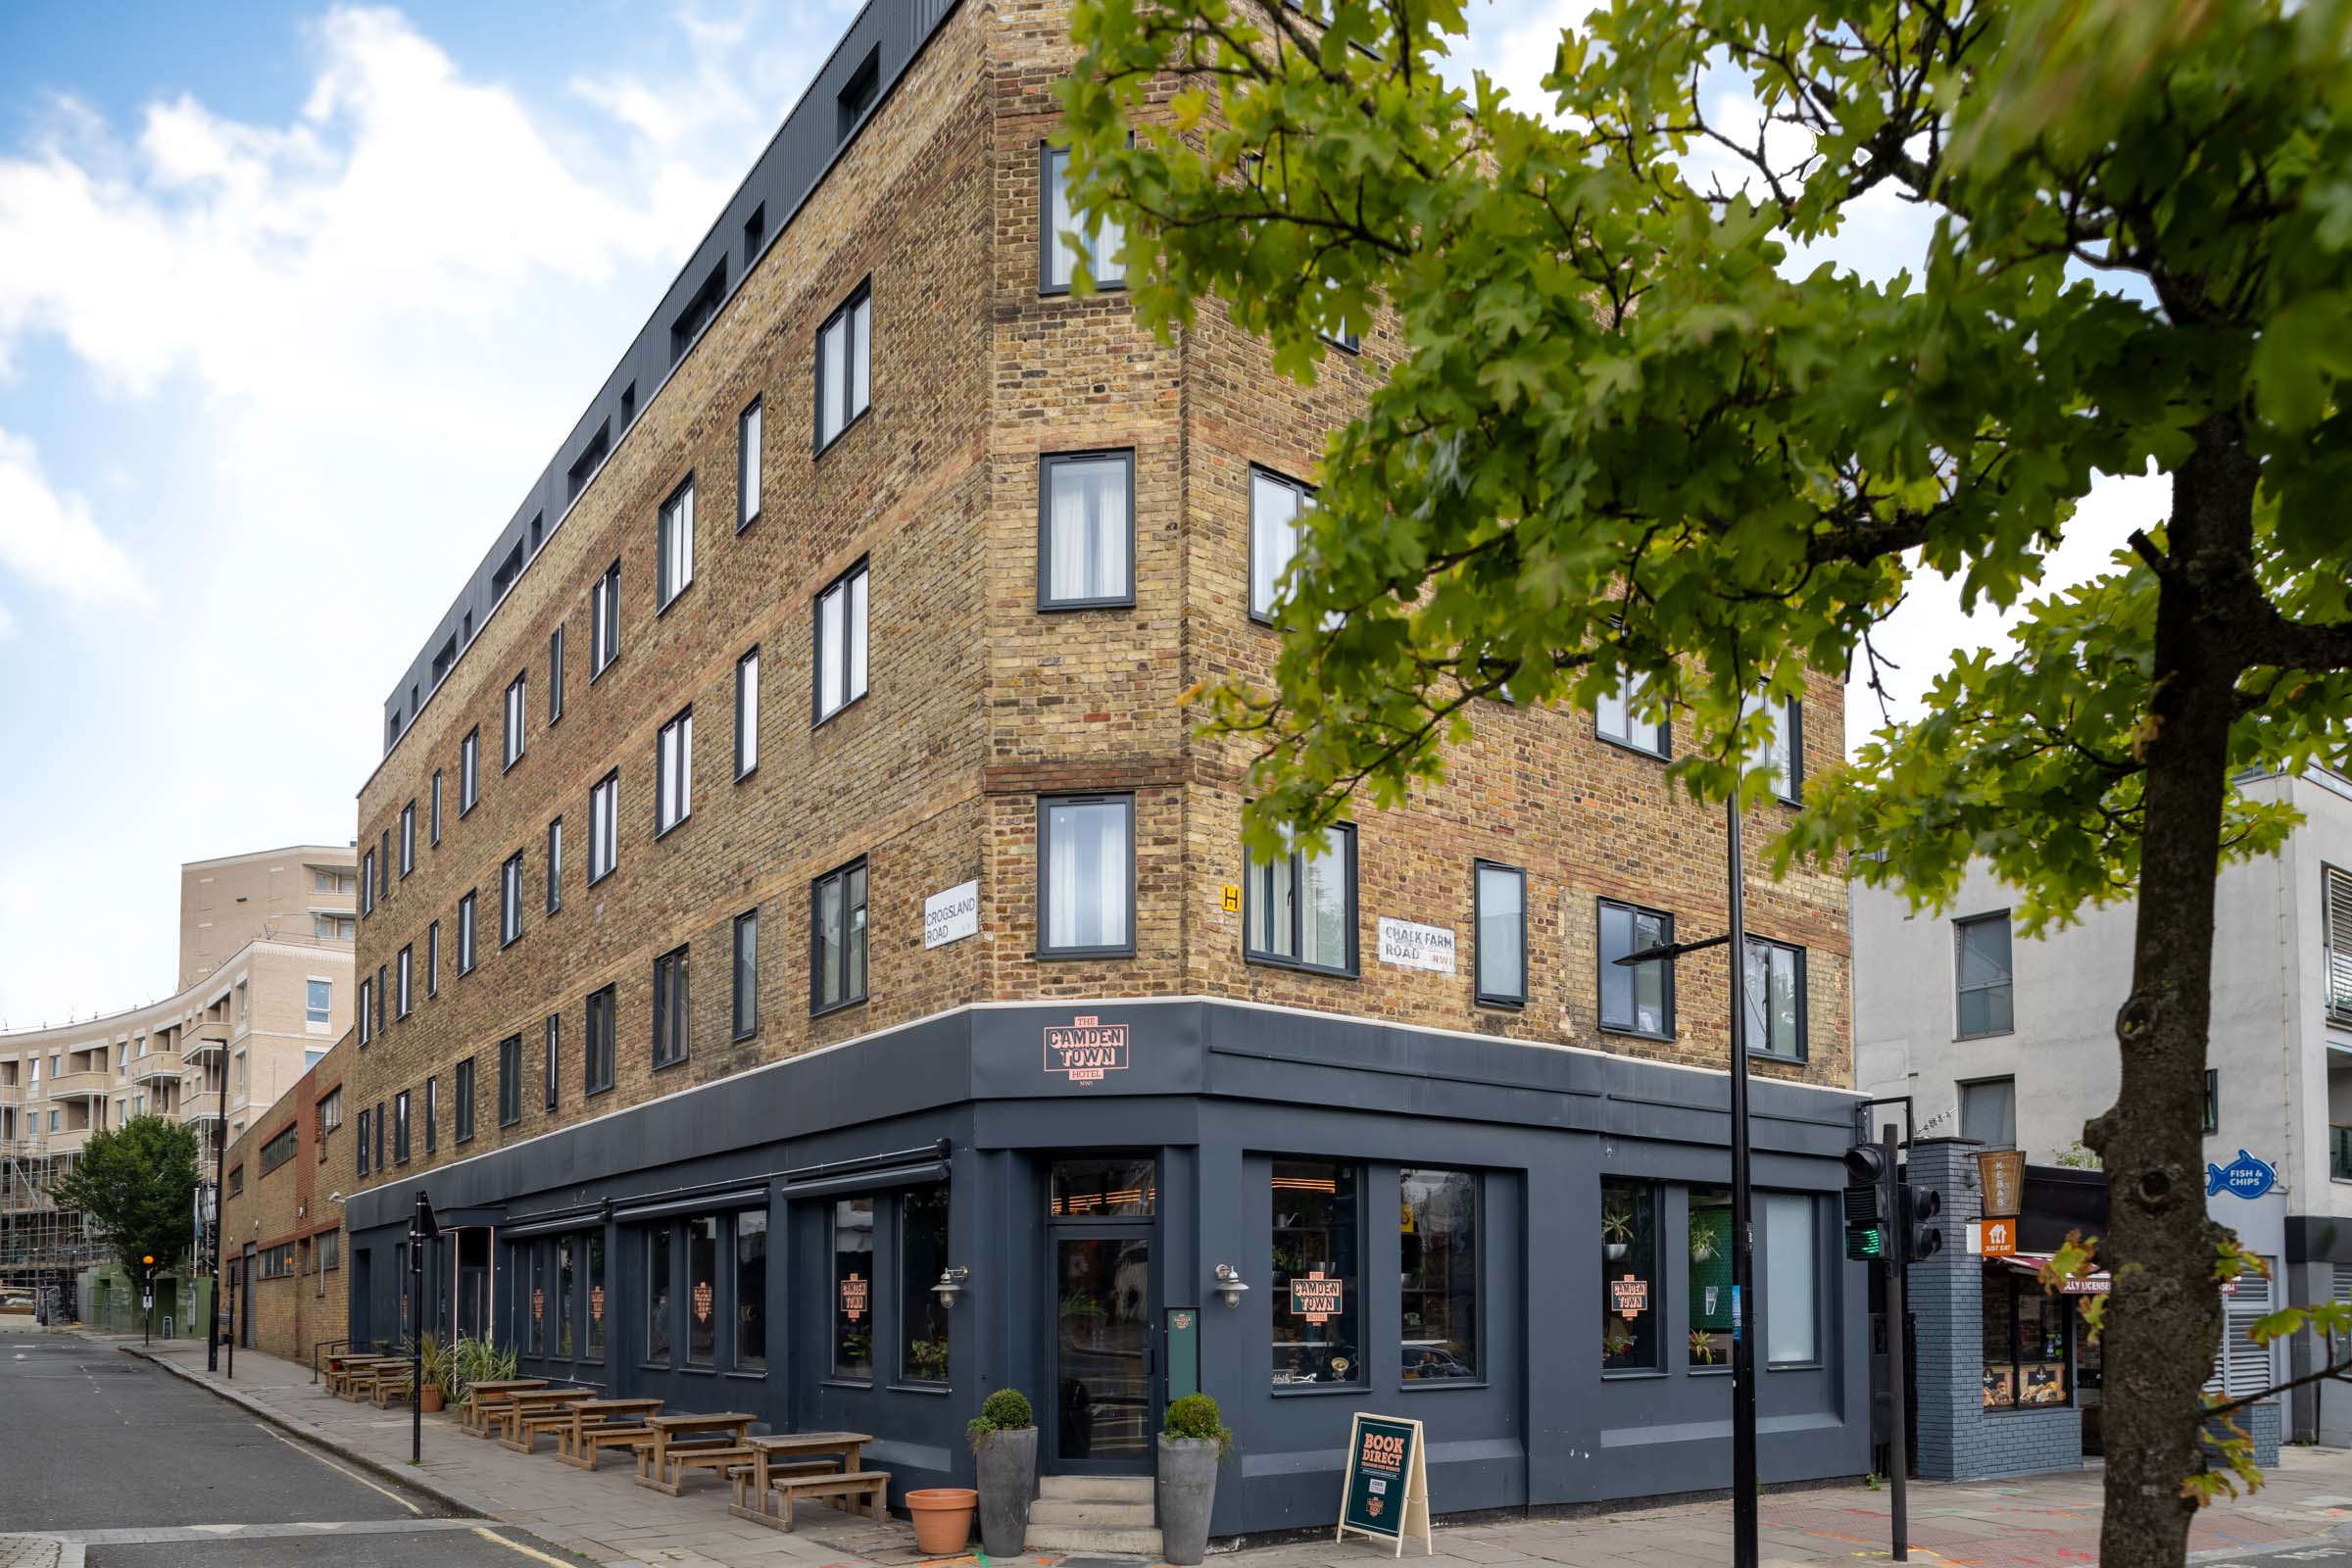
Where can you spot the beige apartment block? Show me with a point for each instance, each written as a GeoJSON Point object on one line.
{"type": "Point", "coordinates": [221, 1048]}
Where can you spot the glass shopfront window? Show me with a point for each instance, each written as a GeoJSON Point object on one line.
{"type": "Point", "coordinates": [1709, 1242]}
{"type": "Point", "coordinates": [1438, 1263]}
{"type": "Point", "coordinates": [563, 1281]}
{"type": "Point", "coordinates": [702, 1290]}
{"type": "Point", "coordinates": [656, 1294]}
{"type": "Point", "coordinates": [596, 1295]}
{"type": "Point", "coordinates": [1105, 1189]}
{"type": "Point", "coordinates": [2028, 1343]}
{"type": "Point", "coordinates": [1630, 1340]}
{"type": "Point", "coordinates": [750, 1290]}
{"type": "Point", "coordinates": [922, 1256]}
{"type": "Point", "coordinates": [854, 1288]}
{"type": "Point", "coordinates": [1316, 1278]}
{"type": "Point", "coordinates": [538, 1298]}
{"type": "Point", "coordinates": [1791, 1280]}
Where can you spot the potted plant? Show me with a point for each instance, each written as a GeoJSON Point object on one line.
{"type": "Point", "coordinates": [942, 1519]}
{"type": "Point", "coordinates": [1616, 1230]}
{"type": "Point", "coordinates": [1703, 1349]}
{"type": "Point", "coordinates": [1194, 1439]}
{"type": "Point", "coordinates": [437, 1371]}
{"type": "Point", "coordinates": [1616, 1338]}
{"type": "Point", "coordinates": [1004, 1439]}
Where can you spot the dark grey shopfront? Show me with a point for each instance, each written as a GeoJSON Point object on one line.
{"type": "Point", "coordinates": [1522, 1246]}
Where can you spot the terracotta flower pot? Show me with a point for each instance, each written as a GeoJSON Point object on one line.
{"type": "Point", "coordinates": [431, 1400]}
{"type": "Point", "coordinates": [942, 1519]}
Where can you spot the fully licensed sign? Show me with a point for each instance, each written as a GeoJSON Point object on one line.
{"type": "Point", "coordinates": [1386, 1491]}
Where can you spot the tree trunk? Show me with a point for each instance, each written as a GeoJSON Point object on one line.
{"type": "Point", "coordinates": [2164, 1317]}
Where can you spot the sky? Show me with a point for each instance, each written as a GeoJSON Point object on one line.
{"type": "Point", "coordinates": [296, 299]}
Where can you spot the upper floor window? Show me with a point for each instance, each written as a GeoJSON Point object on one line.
{"type": "Point", "coordinates": [1300, 910]}
{"type": "Point", "coordinates": [857, 95]}
{"type": "Point", "coordinates": [1062, 240]}
{"type": "Point", "coordinates": [436, 811]}
{"type": "Point", "coordinates": [510, 1080]}
{"type": "Point", "coordinates": [551, 1041]}
{"type": "Point", "coordinates": [1781, 751]}
{"type": "Point", "coordinates": [403, 972]}
{"type": "Point", "coordinates": [674, 773]}
{"type": "Point", "coordinates": [465, 908]}
{"type": "Point", "coordinates": [603, 832]}
{"type": "Point", "coordinates": [747, 713]}
{"type": "Point", "coordinates": [747, 466]}
{"type": "Point", "coordinates": [670, 1007]}
{"type": "Point", "coordinates": [844, 359]}
{"type": "Point", "coordinates": [400, 1127]}
{"type": "Point", "coordinates": [432, 1112]}
{"type": "Point", "coordinates": [1500, 897]}
{"type": "Point", "coordinates": [555, 675]}
{"type": "Point", "coordinates": [383, 866]}
{"type": "Point", "coordinates": [1635, 998]}
{"type": "Point", "coordinates": [470, 771]}
{"type": "Point", "coordinates": [603, 620]}
{"type": "Point", "coordinates": [2336, 940]}
{"type": "Point", "coordinates": [462, 1110]}
{"type": "Point", "coordinates": [510, 901]}
{"type": "Point", "coordinates": [1275, 506]}
{"type": "Point", "coordinates": [596, 1046]}
{"type": "Point", "coordinates": [555, 865]}
{"type": "Point", "coordinates": [519, 718]}
{"type": "Point", "coordinates": [407, 837]}
{"type": "Point", "coordinates": [1085, 529]}
{"type": "Point", "coordinates": [1774, 991]}
{"type": "Point", "coordinates": [1981, 1001]}
{"type": "Point", "coordinates": [841, 619]}
{"type": "Point", "coordinates": [368, 883]}
{"type": "Point", "coordinates": [677, 544]}
{"type": "Point", "coordinates": [432, 959]}
{"type": "Point", "coordinates": [746, 1001]}
{"type": "Point", "coordinates": [318, 994]}
{"type": "Point", "coordinates": [1616, 719]}
{"type": "Point", "coordinates": [1989, 1112]}
{"type": "Point", "coordinates": [837, 922]}
{"type": "Point", "coordinates": [1085, 887]}
{"type": "Point", "coordinates": [367, 1019]}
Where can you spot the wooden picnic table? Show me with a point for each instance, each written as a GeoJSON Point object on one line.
{"type": "Point", "coordinates": [586, 1413]}
{"type": "Point", "coordinates": [340, 1367]}
{"type": "Point", "coordinates": [794, 1454]}
{"type": "Point", "coordinates": [513, 1414]}
{"type": "Point", "coordinates": [484, 1397]}
{"type": "Point", "coordinates": [707, 1438]}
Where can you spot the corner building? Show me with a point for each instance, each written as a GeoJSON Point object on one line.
{"type": "Point", "coordinates": [796, 879]}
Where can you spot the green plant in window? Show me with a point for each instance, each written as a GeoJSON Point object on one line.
{"type": "Point", "coordinates": [1077, 1303]}
{"type": "Point", "coordinates": [1704, 1348]}
{"type": "Point", "coordinates": [1616, 1338]}
{"type": "Point", "coordinates": [930, 1359]}
{"type": "Point", "coordinates": [1617, 1225]}
{"type": "Point", "coordinates": [1702, 1244]}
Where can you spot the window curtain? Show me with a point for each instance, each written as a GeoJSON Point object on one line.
{"type": "Point", "coordinates": [1088, 887]}
{"type": "Point", "coordinates": [1090, 531]}
{"type": "Point", "coordinates": [1274, 518]}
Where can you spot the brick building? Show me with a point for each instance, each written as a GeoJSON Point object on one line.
{"type": "Point", "coordinates": [836, 662]}
{"type": "Point", "coordinates": [281, 1226]}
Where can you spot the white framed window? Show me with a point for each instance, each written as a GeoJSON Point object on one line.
{"type": "Point", "coordinates": [465, 908]}
{"type": "Point", "coordinates": [1276, 505]}
{"type": "Point", "coordinates": [318, 1000]}
{"type": "Point", "coordinates": [1299, 912]}
{"type": "Point", "coordinates": [1615, 719]}
{"type": "Point", "coordinates": [604, 829]}
{"type": "Point", "coordinates": [1085, 529]}
{"type": "Point", "coordinates": [844, 364]}
{"type": "Point", "coordinates": [1086, 892]}
{"type": "Point", "coordinates": [604, 621]}
{"type": "Point", "coordinates": [674, 773]}
{"type": "Point", "coordinates": [677, 542]}
{"type": "Point", "coordinates": [747, 466]}
{"type": "Point", "coordinates": [747, 713]}
{"type": "Point", "coordinates": [1062, 240]}
{"type": "Point", "coordinates": [470, 771]}
{"type": "Point", "coordinates": [519, 718]}
{"type": "Point", "coordinates": [510, 901]}
{"type": "Point", "coordinates": [840, 642]}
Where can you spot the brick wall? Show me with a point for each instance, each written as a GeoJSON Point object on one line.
{"type": "Point", "coordinates": [292, 1205]}
{"type": "Point", "coordinates": [978, 700]}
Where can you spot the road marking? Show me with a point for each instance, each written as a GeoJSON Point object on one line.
{"type": "Point", "coordinates": [300, 1448]}
{"type": "Point", "coordinates": [531, 1553]}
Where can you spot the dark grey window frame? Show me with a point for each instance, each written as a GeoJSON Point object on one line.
{"type": "Point", "coordinates": [1960, 924]}
{"type": "Point", "coordinates": [683, 716]}
{"type": "Point", "coordinates": [1600, 970]}
{"type": "Point", "coordinates": [1353, 968]}
{"type": "Point", "coordinates": [432, 959]}
{"type": "Point", "coordinates": [432, 1112]}
{"type": "Point", "coordinates": [604, 622]}
{"type": "Point", "coordinates": [1804, 1018]}
{"type": "Point", "coordinates": [462, 1113]}
{"type": "Point", "coordinates": [819, 444]}
{"type": "Point", "coordinates": [1044, 860]}
{"type": "Point", "coordinates": [1663, 752]}
{"type": "Point", "coordinates": [665, 592]}
{"type": "Point", "coordinates": [1477, 936]}
{"type": "Point", "coordinates": [747, 703]}
{"type": "Point", "coordinates": [436, 808]}
{"type": "Point", "coordinates": [817, 653]}
{"type": "Point", "coordinates": [1306, 501]}
{"type": "Point", "coordinates": [1047, 239]}
{"type": "Point", "coordinates": [469, 772]}
{"type": "Point", "coordinates": [599, 1049]}
{"type": "Point", "coordinates": [510, 1081]}
{"type": "Point", "coordinates": [673, 1002]}
{"type": "Point", "coordinates": [555, 864]}
{"type": "Point", "coordinates": [407, 840]}
{"type": "Point", "coordinates": [510, 901]}
{"type": "Point", "coordinates": [816, 939]}
{"type": "Point", "coordinates": [744, 1026]}
{"type": "Point", "coordinates": [404, 971]}
{"type": "Point", "coordinates": [515, 732]}
{"type": "Point", "coordinates": [555, 675]}
{"type": "Point", "coordinates": [551, 1036]}
{"type": "Point", "coordinates": [469, 931]}
{"type": "Point", "coordinates": [400, 1128]}
{"type": "Point", "coordinates": [1047, 462]}
{"type": "Point", "coordinates": [750, 459]}
{"type": "Point", "coordinates": [611, 827]}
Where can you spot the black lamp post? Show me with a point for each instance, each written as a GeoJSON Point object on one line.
{"type": "Point", "coordinates": [1744, 1247]}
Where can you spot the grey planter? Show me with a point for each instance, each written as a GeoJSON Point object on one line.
{"type": "Point", "coordinates": [1007, 1466]}
{"type": "Point", "coordinates": [1188, 1491]}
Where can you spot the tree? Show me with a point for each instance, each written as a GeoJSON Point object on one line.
{"type": "Point", "coordinates": [137, 1184]}
{"type": "Point", "coordinates": [1624, 448]}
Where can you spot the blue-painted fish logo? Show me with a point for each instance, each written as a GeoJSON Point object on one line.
{"type": "Point", "coordinates": [2243, 1177]}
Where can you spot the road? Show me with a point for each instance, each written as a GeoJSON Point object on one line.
{"type": "Point", "coordinates": [148, 1471]}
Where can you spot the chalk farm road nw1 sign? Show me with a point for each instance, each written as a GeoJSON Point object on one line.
{"type": "Point", "coordinates": [953, 916]}
{"type": "Point", "coordinates": [1406, 945]}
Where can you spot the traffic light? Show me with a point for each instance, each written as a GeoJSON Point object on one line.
{"type": "Point", "coordinates": [1920, 1239]}
{"type": "Point", "coordinates": [1866, 1216]}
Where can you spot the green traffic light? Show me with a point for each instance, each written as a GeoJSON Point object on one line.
{"type": "Point", "coordinates": [1865, 1242]}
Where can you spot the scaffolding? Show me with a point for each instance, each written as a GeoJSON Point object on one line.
{"type": "Point", "coordinates": [42, 1247]}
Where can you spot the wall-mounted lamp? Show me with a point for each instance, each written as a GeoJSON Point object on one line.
{"type": "Point", "coordinates": [1229, 1284]}
{"type": "Point", "coordinates": [951, 1286]}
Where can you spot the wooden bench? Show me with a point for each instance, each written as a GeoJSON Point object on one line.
{"type": "Point", "coordinates": [390, 1386]}
{"type": "Point", "coordinates": [361, 1385]}
{"type": "Point", "coordinates": [481, 1410]}
{"type": "Point", "coordinates": [341, 1369]}
{"type": "Point", "coordinates": [742, 1475]}
{"type": "Point", "coordinates": [844, 1490]}
{"type": "Point", "coordinates": [527, 1417]}
{"type": "Point", "coordinates": [690, 1454]}
{"type": "Point", "coordinates": [595, 1439]}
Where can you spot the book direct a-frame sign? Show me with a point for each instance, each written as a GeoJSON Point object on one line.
{"type": "Point", "coordinates": [1386, 1494]}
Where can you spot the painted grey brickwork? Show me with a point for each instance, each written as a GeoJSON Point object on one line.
{"type": "Point", "coordinates": [1959, 1440]}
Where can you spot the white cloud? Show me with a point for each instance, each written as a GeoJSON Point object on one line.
{"type": "Point", "coordinates": [311, 365]}
{"type": "Point", "coordinates": [51, 541]}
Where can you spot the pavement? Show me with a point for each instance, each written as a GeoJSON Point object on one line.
{"type": "Point", "coordinates": [299, 1464]}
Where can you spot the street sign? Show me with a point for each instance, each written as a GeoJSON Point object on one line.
{"type": "Point", "coordinates": [1385, 1494]}
{"type": "Point", "coordinates": [2001, 1173]}
{"type": "Point", "coordinates": [1999, 1238]}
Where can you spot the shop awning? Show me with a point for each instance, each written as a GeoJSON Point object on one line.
{"type": "Point", "coordinates": [2095, 1283]}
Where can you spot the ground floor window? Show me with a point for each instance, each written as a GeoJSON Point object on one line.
{"type": "Point", "coordinates": [2028, 1343]}
{"type": "Point", "coordinates": [1791, 1281]}
{"type": "Point", "coordinates": [564, 1298]}
{"type": "Point", "coordinates": [656, 1294]}
{"type": "Point", "coordinates": [595, 1251]}
{"type": "Point", "coordinates": [1708, 1240]}
{"type": "Point", "coordinates": [702, 1290]}
{"type": "Point", "coordinates": [853, 1289]}
{"type": "Point", "coordinates": [750, 1290]}
{"type": "Point", "coordinates": [1630, 1340]}
{"type": "Point", "coordinates": [1438, 1261]}
{"type": "Point", "coordinates": [923, 1258]}
{"type": "Point", "coordinates": [1316, 1274]}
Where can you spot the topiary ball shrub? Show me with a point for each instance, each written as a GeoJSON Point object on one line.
{"type": "Point", "coordinates": [1006, 1410]}
{"type": "Point", "coordinates": [1195, 1415]}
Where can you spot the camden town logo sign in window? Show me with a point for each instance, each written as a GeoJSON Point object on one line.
{"type": "Point", "coordinates": [1085, 1048]}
